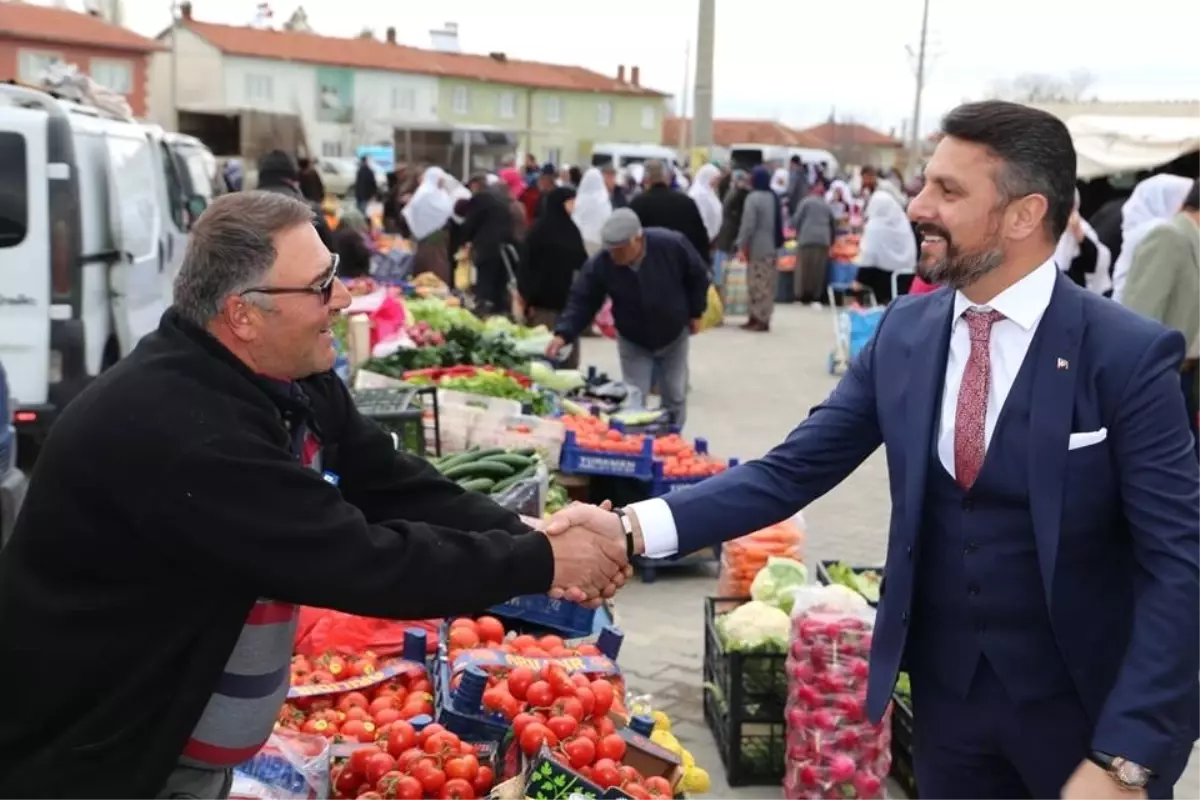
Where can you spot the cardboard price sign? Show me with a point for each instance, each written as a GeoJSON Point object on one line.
{"type": "Point", "coordinates": [498, 659]}
{"type": "Point", "coordinates": [386, 672]}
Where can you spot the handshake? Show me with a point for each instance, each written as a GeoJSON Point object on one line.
{"type": "Point", "coordinates": [590, 554]}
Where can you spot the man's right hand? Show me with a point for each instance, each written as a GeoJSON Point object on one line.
{"type": "Point", "coordinates": [600, 520]}
{"type": "Point", "coordinates": [555, 346]}
{"type": "Point", "coordinates": [587, 567]}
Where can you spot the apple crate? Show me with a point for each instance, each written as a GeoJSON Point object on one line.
{"type": "Point", "coordinates": [744, 702]}
{"type": "Point", "coordinates": [902, 741]}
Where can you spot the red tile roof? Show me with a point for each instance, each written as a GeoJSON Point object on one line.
{"type": "Point", "coordinates": [835, 134]}
{"type": "Point", "coordinates": [60, 26]}
{"type": "Point", "coordinates": [728, 132]}
{"type": "Point", "coordinates": [310, 48]}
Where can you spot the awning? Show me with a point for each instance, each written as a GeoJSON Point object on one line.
{"type": "Point", "coordinates": [1111, 145]}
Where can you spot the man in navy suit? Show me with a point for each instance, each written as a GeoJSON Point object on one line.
{"type": "Point", "coordinates": [1042, 585]}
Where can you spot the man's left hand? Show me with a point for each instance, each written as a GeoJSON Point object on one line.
{"type": "Point", "coordinates": [694, 326]}
{"type": "Point", "coordinates": [1091, 782]}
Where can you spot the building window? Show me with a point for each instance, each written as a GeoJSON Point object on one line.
{"type": "Point", "coordinates": [462, 100]}
{"type": "Point", "coordinates": [604, 114]}
{"type": "Point", "coordinates": [331, 149]}
{"type": "Point", "coordinates": [113, 74]}
{"type": "Point", "coordinates": [553, 110]}
{"type": "Point", "coordinates": [508, 105]}
{"type": "Point", "coordinates": [33, 63]}
{"type": "Point", "coordinates": [259, 87]}
{"type": "Point", "coordinates": [649, 118]}
{"type": "Point", "coordinates": [404, 99]}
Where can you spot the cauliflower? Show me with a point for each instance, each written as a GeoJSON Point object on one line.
{"type": "Point", "coordinates": [755, 627]}
{"type": "Point", "coordinates": [775, 584]}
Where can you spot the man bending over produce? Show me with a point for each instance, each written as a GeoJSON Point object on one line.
{"type": "Point", "coordinates": [198, 492]}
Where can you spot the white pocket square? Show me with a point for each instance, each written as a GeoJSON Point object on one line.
{"type": "Point", "coordinates": [1087, 439]}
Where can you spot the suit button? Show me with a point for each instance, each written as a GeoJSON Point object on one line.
{"type": "Point", "coordinates": [970, 548]}
{"type": "Point", "coordinates": [968, 504]}
{"type": "Point", "coordinates": [973, 589]}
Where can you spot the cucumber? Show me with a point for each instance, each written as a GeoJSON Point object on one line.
{"type": "Point", "coordinates": [455, 460]}
{"type": "Point", "coordinates": [515, 461]}
{"type": "Point", "coordinates": [483, 485]}
{"type": "Point", "coordinates": [480, 469]}
{"type": "Point", "coordinates": [528, 452]}
{"type": "Point", "coordinates": [528, 472]}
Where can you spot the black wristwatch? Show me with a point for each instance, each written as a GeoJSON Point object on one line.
{"type": "Point", "coordinates": [627, 528]}
{"type": "Point", "coordinates": [1126, 773]}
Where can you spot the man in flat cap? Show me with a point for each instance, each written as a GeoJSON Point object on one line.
{"type": "Point", "coordinates": [659, 287]}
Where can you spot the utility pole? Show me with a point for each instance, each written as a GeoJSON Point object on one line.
{"type": "Point", "coordinates": [702, 132]}
{"type": "Point", "coordinates": [684, 123]}
{"type": "Point", "coordinates": [915, 128]}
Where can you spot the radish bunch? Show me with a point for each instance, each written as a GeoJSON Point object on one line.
{"type": "Point", "coordinates": [833, 750]}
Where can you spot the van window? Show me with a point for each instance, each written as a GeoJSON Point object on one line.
{"type": "Point", "coordinates": [14, 190]}
{"type": "Point", "coordinates": [198, 172]}
{"type": "Point", "coordinates": [175, 192]}
{"type": "Point", "coordinates": [132, 172]}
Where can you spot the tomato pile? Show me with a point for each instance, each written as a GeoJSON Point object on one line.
{"type": "Point", "coordinates": [410, 765]}
{"type": "Point", "coordinates": [591, 433]}
{"type": "Point", "coordinates": [833, 750]}
{"type": "Point", "coordinates": [355, 716]}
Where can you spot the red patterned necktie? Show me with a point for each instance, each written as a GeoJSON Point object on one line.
{"type": "Point", "coordinates": [970, 419]}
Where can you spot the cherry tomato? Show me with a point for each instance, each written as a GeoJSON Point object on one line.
{"type": "Point", "coordinates": [534, 736]}
{"type": "Point", "coordinates": [611, 746]}
{"type": "Point", "coordinates": [582, 752]}
{"type": "Point", "coordinates": [378, 765]}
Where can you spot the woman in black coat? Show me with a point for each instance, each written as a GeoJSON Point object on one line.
{"type": "Point", "coordinates": [554, 253]}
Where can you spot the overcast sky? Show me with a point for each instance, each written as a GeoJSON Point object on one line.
{"type": "Point", "coordinates": [789, 60]}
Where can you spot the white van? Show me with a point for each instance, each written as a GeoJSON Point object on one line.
{"type": "Point", "coordinates": [621, 156]}
{"type": "Point", "coordinates": [93, 221]}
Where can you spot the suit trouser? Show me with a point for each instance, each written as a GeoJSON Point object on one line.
{"type": "Point", "coordinates": [988, 746]}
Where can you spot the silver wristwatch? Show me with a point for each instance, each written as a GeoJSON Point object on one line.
{"type": "Point", "coordinates": [1126, 773]}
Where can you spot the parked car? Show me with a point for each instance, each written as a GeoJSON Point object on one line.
{"type": "Point", "coordinates": [12, 480]}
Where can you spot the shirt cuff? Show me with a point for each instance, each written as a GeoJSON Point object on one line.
{"type": "Point", "coordinates": [659, 535]}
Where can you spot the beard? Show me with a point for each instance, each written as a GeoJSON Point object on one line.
{"type": "Point", "coordinates": [958, 269]}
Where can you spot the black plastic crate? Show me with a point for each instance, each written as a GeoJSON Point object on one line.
{"type": "Point", "coordinates": [409, 413]}
{"type": "Point", "coordinates": [902, 747]}
{"type": "Point", "coordinates": [744, 702]}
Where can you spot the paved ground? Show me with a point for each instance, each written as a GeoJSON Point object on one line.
{"type": "Point", "coordinates": [748, 391]}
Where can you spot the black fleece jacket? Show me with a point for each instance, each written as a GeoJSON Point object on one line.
{"type": "Point", "coordinates": [166, 500]}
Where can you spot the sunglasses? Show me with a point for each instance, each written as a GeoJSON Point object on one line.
{"type": "Point", "coordinates": [324, 289]}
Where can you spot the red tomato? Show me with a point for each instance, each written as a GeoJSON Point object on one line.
{"type": "Point", "coordinates": [463, 638]}
{"type": "Point", "coordinates": [658, 787]}
{"type": "Point", "coordinates": [385, 716]}
{"type": "Point", "coordinates": [611, 746]}
{"type": "Point", "coordinates": [520, 721]}
{"type": "Point", "coordinates": [457, 789]}
{"type": "Point", "coordinates": [441, 743]}
{"type": "Point", "coordinates": [466, 767]}
{"type": "Point", "coordinates": [463, 622]}
{"type": "Point", "coordinates": [427, 731]}
{"type": "Point", "coordinates": [519, 681]}
{"type": "Point", "coordinates": [380, 703]}
{"type": "Point", "coordinates": [588, 731]}
{"type": "Point", "coordinates": [636, 791]}
{"type": "Point", "coordinates": [319, 727]}
{"type": "Point", "coordinates": [605, 725]}
{"type": "Point", "coordinates": [358, 762]}
{"type": "Point", "coordinates": [604, 773]}
{"type": "Point", "coordinates": [337, 668]}
{"type": "Point", "coordinates": [563, 726]}
{"type": "Point", "coordinates": [568, 706]}
{"type": "Point", "coordinates": [357, 713]}
{"type": "Point", "coordinates": [523, 642]}
{"type": "Point", "coordinates": [408, 759]}
{"type": "Point", "coordinates": [378, 765]}
{"type": "Point", "coordinates": [416, 705]}
{"type": "Point", "coordinates": [401, 737]}
{"type": "Point", "coordinates": [352, 700]}
{"type": "Point", "coordinates": [582, 752]}
{"type": "Point", "coordinates": [432, 779]}
{"type": "Point", "coordinates": [548, 643]}
{"type": "Point", "coordinates": [629, 774]}
{"type": "Point", "coordinates": [586, 699]}
{"type": "Point", "coordinates": [603, 690]}
{"type": "Point", "coordinates": [490, 629]}
{"type": "Point", "coordinates": [483, 781]}
{"type": "Point", "coordinates": [539, 694]}
{"type": "Point", "coordinates": [347, 782]}
{"type": "Point", "coordinates": [534, 736]}
{"type": "Point", "coordinates": [407, 787]}
{"type": "Point", "coordinates": [358, 729]}
{"type": "Point", "coordinates": [370, 796]}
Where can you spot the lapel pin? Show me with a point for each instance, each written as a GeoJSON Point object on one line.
{"type": "Point", "coordinates": [1063, 364]}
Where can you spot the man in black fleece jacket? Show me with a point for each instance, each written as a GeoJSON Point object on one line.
{"type": "Point", "coordinates": [200, 491]}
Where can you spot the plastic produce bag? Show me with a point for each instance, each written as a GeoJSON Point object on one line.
{"type": "Point", "coordinates": [714, 312]}
{"type": "Point", "coordinates": [319, 630]}
{"type": "Point", "coordinates": [742, 558]}
{"type": "Point", "coordinates": [290, 766]}
{"type": "Point", "coordinates": [833, 750]}
{"type": "Point", "coordinates": [776, 582]}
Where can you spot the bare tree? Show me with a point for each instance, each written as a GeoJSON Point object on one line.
{"type": "Point", "coordinates": [1039, 87]}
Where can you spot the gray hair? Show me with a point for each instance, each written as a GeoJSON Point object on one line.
{"type": "Point", "coordinates": [231, 248]}
{"type": "Point", "coordinates": [657, 172]}
{"type": "Point", "coordinates": [622, 226]}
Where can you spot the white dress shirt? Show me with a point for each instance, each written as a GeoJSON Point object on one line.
{"type": "Point", "coordinates": [1022, 305]}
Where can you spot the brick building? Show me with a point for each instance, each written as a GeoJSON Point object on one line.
{"type": "Point", "coordinates": [33, 37]}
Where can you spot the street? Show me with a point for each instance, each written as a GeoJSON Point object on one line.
{"type": "Point", "coordinates": [748, 391]}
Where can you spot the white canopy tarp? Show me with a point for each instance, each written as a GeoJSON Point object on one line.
{"type": "Point", "coordinates": [1110, 145]}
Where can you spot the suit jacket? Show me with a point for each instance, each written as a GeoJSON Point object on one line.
{"type": "Point", "coordinates": [1117, 524]}
{"type": "Point", "coordinates": [1164, 280]}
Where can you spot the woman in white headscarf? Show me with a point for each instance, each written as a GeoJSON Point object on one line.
{"type": "Point", "coordinates": [1153, 202]}
{"type": "Point", "coordinates": [1082, 255]}
{"type": "Point", "coordinates": [427, 213]}
{"type": "Point", "coordinates": [839, 198]}
{"type": "Point", "coordinates": [592, 207]}
{"type": "Point", "coordinates": [887, 246]}
{"type": "Point", "coordinates": [704, 194]}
